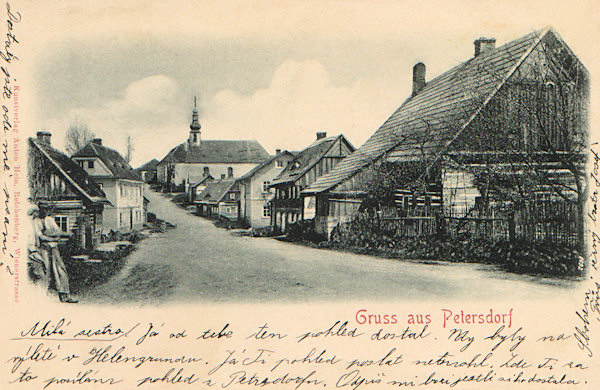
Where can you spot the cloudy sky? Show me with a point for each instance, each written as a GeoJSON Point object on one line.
{"type": "Point", "coordinates": [274, 73]}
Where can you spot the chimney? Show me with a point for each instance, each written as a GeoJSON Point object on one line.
{"type": "Point", "coordinates": [97, 141]}
{"type": "Point", "coordinates": [222, 176]}
{"type": "Point", "coordinates": [484, 44]}
{"type": "Point", "coordinates": [277, 151]}
{"type": "Point", "coordinates": [418, 78]}
{"type": "Point", "coordinates": [44, 137]}
{"type": "Point", "coordinates": [321, 134]}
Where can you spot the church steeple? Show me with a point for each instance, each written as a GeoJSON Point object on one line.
{"type": "Point", "coordinates": [194, 138]}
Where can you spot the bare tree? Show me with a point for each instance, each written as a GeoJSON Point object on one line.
{"type": "Point", "coordinates": [527, 143]}
{"type": "Point", "coordinates": [538, 124]}
{"type": "Point", "coordinates": [130, 148]}
{"type": "Point", "coordinates": [77, 136]}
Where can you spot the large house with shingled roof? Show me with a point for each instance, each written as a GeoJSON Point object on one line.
{"type": "Point", "coordinates": [195, 159]}
{"type": "Point", "coordinates": [65, 189]}
{"type": "Point", "coordinates": [484, 112]}
{"type": "Point", "coordinates": [122, 184]}
{"type": "Point", "coordinates": [307, 166]}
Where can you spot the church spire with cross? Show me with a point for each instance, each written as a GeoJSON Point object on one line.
{"type": "Point", "coordinates": [194, 138]}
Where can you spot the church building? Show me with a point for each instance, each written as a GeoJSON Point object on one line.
{"type": "Point", "coordinates": [195, 159]}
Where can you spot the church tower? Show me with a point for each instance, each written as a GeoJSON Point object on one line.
{"type": "Point", "coordinates": [194, 138]}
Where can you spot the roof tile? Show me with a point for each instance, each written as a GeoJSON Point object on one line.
{"type": "Point", "coordinates": [433, 117]}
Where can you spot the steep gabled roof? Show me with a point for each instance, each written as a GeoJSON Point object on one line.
{"type": "Point", "coordinates": [71, 172]}
{"type": "Point", "coordinates": [149, 166]}
{"type": "Point", "coordinates": [307, 158]}
{"type": "Point", "coordinates": [202, 180]}
{"type": "Point", "coordinates": [117, 165]}
{"type": "Point", "coordinates": [218, 151]}
{"type": "Point", "coordinates": [215, 191]}
{"type": "Point", "coordinates": [264, 164]}
{"type": "Point", "coordinates": [429, 121]}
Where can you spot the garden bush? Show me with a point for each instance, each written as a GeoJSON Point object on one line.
{"type": "Point", "coordinates": [368, 235]}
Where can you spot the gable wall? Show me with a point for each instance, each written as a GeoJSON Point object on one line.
{"type": "Point", "coordinates": [99, 169]}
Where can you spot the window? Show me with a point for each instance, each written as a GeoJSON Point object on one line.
{"type": "Point", "coordinates": [279, 164]}
{"type": "Point", "coordinates": [232, 196]}
{"type": "Point", "coordinates": [551, 136]}
{"type": "Point", "coordinates": [121, 190]}
{"type": "Point", "coordinates": [266, 210]}
{"type": "Point", "coordinates": [80, 163]}
{"type": "Point", "coordinates": [62, 221]}
{"type": "Point", "coordinates": [91, 164]}
{"type": "Point", "coordinates": [100, 185]}
{"type": "Point", "coordinates": [266, 186]}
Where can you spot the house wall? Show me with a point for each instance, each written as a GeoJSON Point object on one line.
{"type": "Point", "coordinates": [83, 222]}
{"type": "Point", "coordinates": [99, 169]}
{"type": "Point", "coordinates": [229, 210]}
{"type": "Point", "coordinates": [127, 210]}
{"type": "Point", "coordinates": [332, 212]}
{"type": "Point", "coordinates": [255, 198]}
{"type": "Point", "coordinates": [195, 171]}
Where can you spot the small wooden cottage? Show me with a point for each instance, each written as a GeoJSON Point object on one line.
{"type": "Point", "coordinates": [195, 189]}
{"type": "Point", "coordinates": [288, 206]}
{"type": "Point", "coordinates": [220, 199]}
{"type": "Point", "coordinates": [61, 186]}
{"type": "Point", "coordinates": [504, 128]}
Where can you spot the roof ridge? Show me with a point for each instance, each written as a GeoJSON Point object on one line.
{"type": "Point", "coordinates": [64, 173]}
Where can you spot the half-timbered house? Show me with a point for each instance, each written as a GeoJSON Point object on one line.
{"type": "Point", "coordinates": [288, 206]}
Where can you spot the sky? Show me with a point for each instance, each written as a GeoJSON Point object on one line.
{"type": "Point", "coordinates": [274, 72]}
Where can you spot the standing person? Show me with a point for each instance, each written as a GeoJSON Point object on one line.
{"type": "Point", "coordinates": [47, 236]}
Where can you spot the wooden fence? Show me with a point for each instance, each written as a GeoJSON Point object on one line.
{"type": "Point", "coordinates": [534, 222]}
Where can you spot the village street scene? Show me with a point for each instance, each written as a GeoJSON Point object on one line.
{"type": "Point", "coordinates": [474, 185]}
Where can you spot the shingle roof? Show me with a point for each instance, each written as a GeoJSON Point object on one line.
{"type": "Point", "coordinates": [218, 151]}
{"type": "Point", "coordinates": [117, 165]}
{"type": "Point", "coordinates": [430, 120]}
{"type": "Point", "coordinates": [265, 163]}
{"type": "Point", "coordinates": [306, 159]}
{"type": "Point", "coordinates": [72, 172]}
{"type": "Point", "coordinates": [215, 191]}
{"type": "Point", "coordinates": [149, 166]}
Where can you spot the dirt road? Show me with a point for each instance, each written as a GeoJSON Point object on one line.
{"type": "Point", "coordinates": [199, 262]}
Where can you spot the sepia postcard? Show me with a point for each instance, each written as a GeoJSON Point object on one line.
{"type": "Point", "coordinates": [300, 194]}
